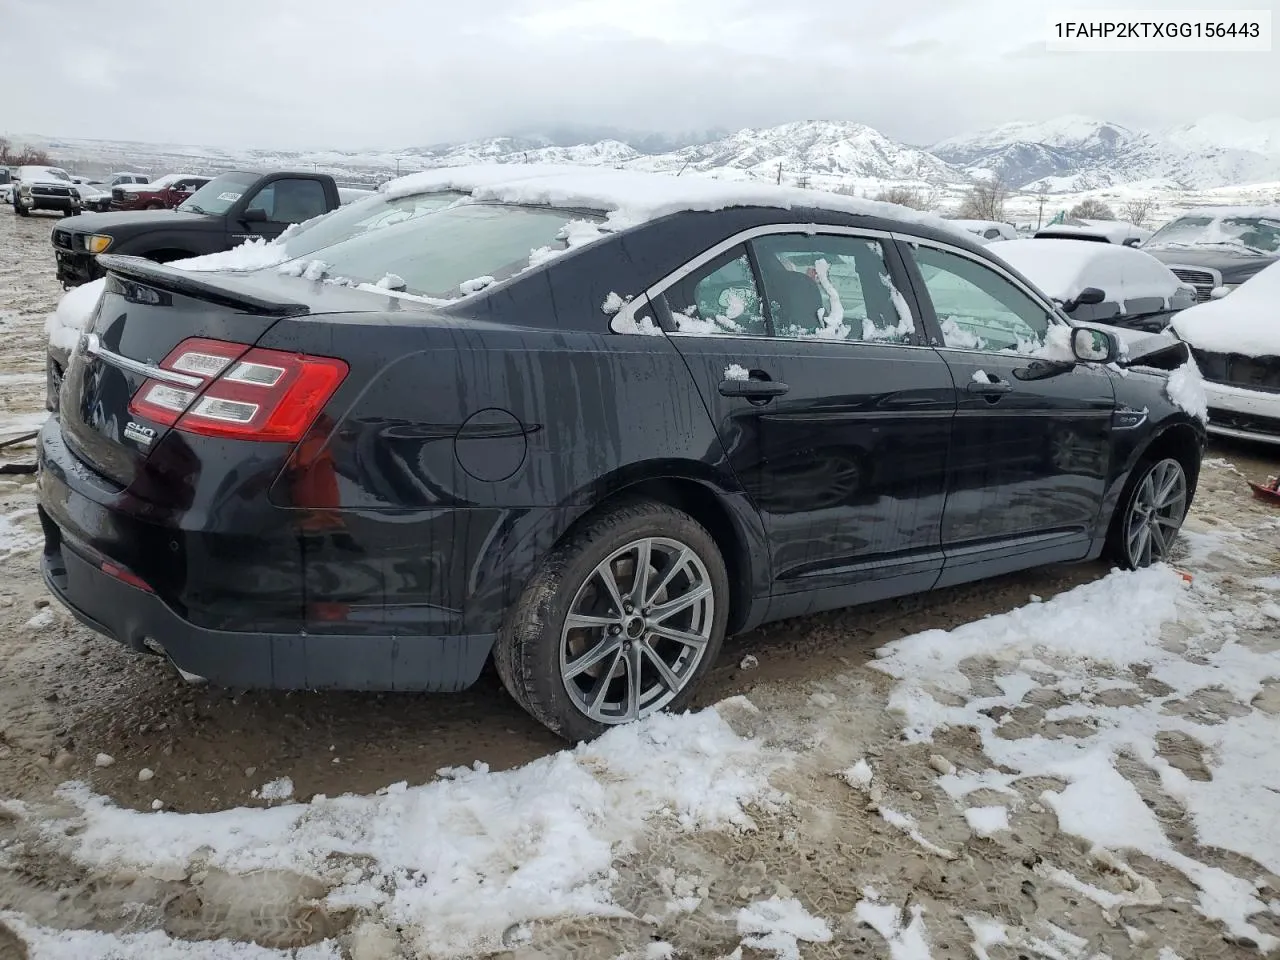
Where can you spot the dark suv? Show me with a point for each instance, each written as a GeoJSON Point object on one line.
{"type": "Point", "coordinates": [1216, 249]}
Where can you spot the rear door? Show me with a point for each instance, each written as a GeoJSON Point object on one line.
{"type": "Point", "coordinates": [833, 413]}
{"type": "Point", "coordinates": [1031, 445]}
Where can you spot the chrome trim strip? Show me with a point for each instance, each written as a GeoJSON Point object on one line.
{"type": "Point", "coordinates": [93, 345]}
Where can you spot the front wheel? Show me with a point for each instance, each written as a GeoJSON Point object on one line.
{"type": "Point", "coordinates": [1150, 515]}
{"type": "Point", "coordinates": [619, 622]}
{"type": "Point", "coordinates": [20, 210]}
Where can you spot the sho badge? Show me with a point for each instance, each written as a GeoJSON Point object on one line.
{"type": "Point", "coordinates": [136, 431]}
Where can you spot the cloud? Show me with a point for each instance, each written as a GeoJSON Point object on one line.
{"type": "Point", "coordinates": [325, 73]}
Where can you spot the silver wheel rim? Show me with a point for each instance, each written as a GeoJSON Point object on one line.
{"type": "Point", "coordinates": [1156, 513]}
{"type": "Point", "coordinates": [636, 631]}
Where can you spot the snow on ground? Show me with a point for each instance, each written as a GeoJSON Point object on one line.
{"type": "Point", "coordinates": [1135, 716]}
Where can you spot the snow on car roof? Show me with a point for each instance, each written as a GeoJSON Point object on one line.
{"type": "Point", "coordinates": [1244, 322]}
{"type": "Point", "coordinates": [1241, 210]}
{"type": "Point", "coordinates": [631, 197]}
{"type": "Point", "coordinates": [1062, 268]}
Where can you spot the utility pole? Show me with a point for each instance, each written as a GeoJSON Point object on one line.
{"type": "Point", "coordinates": [397, 166]}
{"type": "Point", "coordinates": [1040, 215]}
{"type": "Point", "coordinates": [779, 173]}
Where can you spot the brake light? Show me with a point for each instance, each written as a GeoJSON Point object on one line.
{"type": "Point", "coordinates": [245, 393]}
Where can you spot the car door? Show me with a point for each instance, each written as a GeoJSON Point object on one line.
{"type": "Point", "coordinates": [1030, 448]}
{"type": "Point", "coordinates": [279, 204]}
{"type": "Point", "coordinates": [833, 414]}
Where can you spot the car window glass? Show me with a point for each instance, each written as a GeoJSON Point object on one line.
{"type": "Point", "coordinates": [977, 308]}
{"type": "Point", "coordinates": [832, 288]}
{"type": "Point", "coordinates": [291, 201]}
{"type": "Point", "coordinates": [719, 298]}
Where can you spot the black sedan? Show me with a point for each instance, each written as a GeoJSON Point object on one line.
{"type": "Point", "coordinates": [586, 436]}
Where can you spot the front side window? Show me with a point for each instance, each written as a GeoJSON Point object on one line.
{"type": "Point", "coordinates": [977, 308]}
{"type": "Point", "coordinates": [290, 201]}
{"type": "Point", "coordinates": [831, 287]}
{"type": "Point", "coordinates": [470, 245]}
{"type": "Point", "coordinates": [719, 298]}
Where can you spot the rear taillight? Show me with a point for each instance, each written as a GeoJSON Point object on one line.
{"type": "Point", "coordinates": [244, 393]}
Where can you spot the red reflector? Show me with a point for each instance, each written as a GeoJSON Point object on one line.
{"type": "Point", "coordinates": [124, 576]}
{"type": "Point", "coordinates": [245, 394]}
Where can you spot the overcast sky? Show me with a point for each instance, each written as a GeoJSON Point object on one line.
{"type": "Point", "coordinates": [394, 73]}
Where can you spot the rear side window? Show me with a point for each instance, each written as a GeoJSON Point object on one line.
{"type": "Point", "coordinates": [719, 298]}
{"type": "Point", "coordinates": [831, 287]}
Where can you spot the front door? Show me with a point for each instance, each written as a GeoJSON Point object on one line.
{"type": "Point", "coordinates": [834, 415]}
{"type": "Point", "coordinates": [1030, 451]}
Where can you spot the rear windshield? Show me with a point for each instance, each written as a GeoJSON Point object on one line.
{"type": "Point", "coordinates": [219, 194]}
{"type": "Point", "coordinates": [436, 256]}
{"type": "Point", "coordinates": [368, 213]}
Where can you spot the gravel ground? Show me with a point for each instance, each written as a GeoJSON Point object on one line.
{"type": "Point", "coordinates": [67, 696]}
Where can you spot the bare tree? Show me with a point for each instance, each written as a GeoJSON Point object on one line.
{"type": "Point", "coordinates": [1091, 209]}
{"type": "Point", "coordinates": [984, 201]}
{"type": "Point", "coordinates": [9, 157]}
{"type": "Point", "coordinates": [1138, 212]}
{"type": "Point", "coordinates": [912, 197]}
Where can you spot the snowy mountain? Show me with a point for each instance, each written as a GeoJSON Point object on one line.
{"type": "Point", "coordinates": [810, 146]}
{"type": "Point", "coordinates": [1076, 152]}
{"type": "Point", "coordinates": [1069, 154]}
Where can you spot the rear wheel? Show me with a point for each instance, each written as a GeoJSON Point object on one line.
{"type": "Point", "coordinates": [154, 205]}
{"type": "Point", "coordinates": [20, 210]}
{"type": "Point", "coordinates": [620, 621]}
{"type": "Point", "coordinates": [1150, 514]}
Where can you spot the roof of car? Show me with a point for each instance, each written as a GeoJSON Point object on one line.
{"type": "Point", "coordinates": [631, 197]}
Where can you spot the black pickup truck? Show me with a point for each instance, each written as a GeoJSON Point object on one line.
{"type": "Point", "coordinates": [225, 212]}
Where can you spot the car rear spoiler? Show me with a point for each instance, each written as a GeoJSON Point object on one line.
{"type": "Point", "coordinates": [226, 291]}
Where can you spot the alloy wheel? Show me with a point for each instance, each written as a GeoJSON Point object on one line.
{"type": "Point", "coordinates": [637, 630]}
{"type": "Point", "coordinates": [1156, 513]}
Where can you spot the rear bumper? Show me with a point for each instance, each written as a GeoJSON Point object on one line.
{"type": "Point", "coordinates": [1242, 413]}
{"type": "Point", "coordinates": [80, 521]}
{"type": "Point", "coordinates": [75, 268]}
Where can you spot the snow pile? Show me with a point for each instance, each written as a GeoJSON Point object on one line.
{"type": "Point", "coordinates": [458, 861]}
{"type": "Point", "coordinates": [1089, 640]}
{"type": "Point", "coordinates": [1245, 321]}
{"type": "Point", "coordinates": [46, 944]}
{"type": "Point", "coordinates": [906, 940]}
{"type": "Point", "coordinates": [257, 254]}
{"type": "Point", "coordinates": [736, 371]}
{"type": "Point", "coordinates": [1063, 268]}
{"type": "Point", "coordinates": [73, 313]}
{"type": "Point", "coordinates": [776, 926]}
{"type": "Point", "coordinates": [1185, 388]}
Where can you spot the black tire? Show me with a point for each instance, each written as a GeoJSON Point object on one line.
{"type": "Point", "coordinates": [1118, 534]}
{"type": "Point", "coordinates": [20, 210]}
{"type": "Point", "coordinates": [528, 651]}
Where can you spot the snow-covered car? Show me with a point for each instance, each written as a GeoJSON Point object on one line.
{"type": "Point", "coordinates": [1098, 231]}
{"type": "Point", "coordinates": [1236, 343]}
{"type": "Point", "coordinates": [1137, 290]}
{"type": "Point", "coordinates": [44, 188]}
{"type": "Point", "coordinates": [989, 229]}
{"type": "Point", "coordinates": [1218, 248]}
{"type": "Point", "coordinates": [94, 194]}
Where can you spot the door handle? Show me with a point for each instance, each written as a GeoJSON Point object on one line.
{"type": "Point", "coordinates": [992, 388]}
{"type": "Point", "coordinates": [753, 389]}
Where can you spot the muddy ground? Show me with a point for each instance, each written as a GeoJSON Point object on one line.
{"type": "Point", "coordinates": [67, 696]}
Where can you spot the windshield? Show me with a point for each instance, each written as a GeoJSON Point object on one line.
{"type": "Point", "coordinates": [470, 245]}
{"type": "Point", "coordinates": [1246, 234]}
{"type": "Point", "coordinates": [219, 194]}
{"type": "Point", "coordinates": [370, 213]}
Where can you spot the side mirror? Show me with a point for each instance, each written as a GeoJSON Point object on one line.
{"type": "Point", "coordinates": [1089, 295]}
{"type": "Point", "coordinates": [254, 215]}
{"type": "Point", "coordinates": [1094, 346]}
